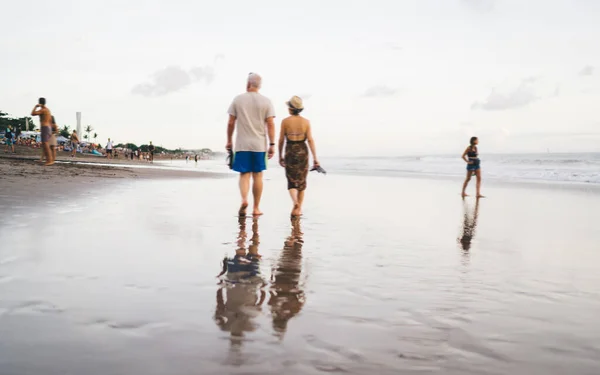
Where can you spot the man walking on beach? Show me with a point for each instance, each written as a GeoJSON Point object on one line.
{"type": "Point", "coordinates": [46, 128]}
{"type": "Point", "coordinates": [254, 116]}
{"type": "Point", "coordinates": [109, 149]}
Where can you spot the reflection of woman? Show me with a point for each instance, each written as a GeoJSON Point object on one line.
{"type": "Point", "coordinates": [241, 297]}
{"type": "Point", "coordinates": [295, 132]}
{"type": "Point", "coordinates": [471, 157]}
{"type": "Point", "coordinates": [287, 296]}
{"type": "Point", "coordinates": [469, 226]}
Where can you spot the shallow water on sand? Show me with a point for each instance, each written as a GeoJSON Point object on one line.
{"type": "Point", "coordinates": [381, 276]}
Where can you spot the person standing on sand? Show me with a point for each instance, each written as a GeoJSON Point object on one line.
{"type": "Point", "coordinates": [151, 149]}
{"type": "Point", "coordinates": [471, 157]}
{"type": "Point", "coordinates": [53, 143]}
{"type": "Point", "coordinates": [295, 132]}
{"type": "Point", "coordinates": [109, 149]}
{"type": "Point", "coordinates": [10, 142]}
{"type": "Point", "coordinates": [46, 128]}
{"type": "Point", "coordinates": [253, 114]}
{"type": "Point", "coordinates": [74, 143]}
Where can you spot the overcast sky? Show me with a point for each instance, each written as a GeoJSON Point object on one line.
{"type": "Point", "coordinates": [378, 77]}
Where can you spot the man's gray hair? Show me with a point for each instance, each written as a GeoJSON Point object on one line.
{"type": "Point", "coordinates": [255, 80]}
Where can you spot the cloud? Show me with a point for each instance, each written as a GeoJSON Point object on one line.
{"type": "Point", "coordinates": [206, 73]}
{"type": "Point", "coordinates": [380, 92]}
{"type": "Point", "coordinates": [587, 71]}
{"type": "Point", "coordinates": [394, 47]}
{"type": "Point", "coordinates": [173, 78]}
{"type": "Point", "coordinates": [520, 97]}
{"type": "Point", "coordinates": [480, 5]}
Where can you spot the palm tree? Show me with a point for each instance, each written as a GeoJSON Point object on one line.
{"type": "Point", "coordinates": [95, 136]}
{"type": "Point", "coordinates": [65, 131]}
{"type": "Point", "coordinates": [88, 130]}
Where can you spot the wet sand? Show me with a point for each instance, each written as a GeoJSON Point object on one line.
{"type": "Point", "coordinates": [381, 276]}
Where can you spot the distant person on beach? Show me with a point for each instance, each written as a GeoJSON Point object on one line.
{"type": "Point", "coordinates": [151, 149]}
{"type": "Point", "coordinates": [295, 133]}
{"type": "Point", "coordinates": [41, 110]}
{"type": "Point", "coordinates": [471, 157]}
{"type": "Point", "coordinates": [253, 116]}
{"type": "Point", "coordinates": [53, 143]}
{"type": "Point", "coordinates": [10, 141]}
{"type": "Point", "coordinates": [196, 158]}
{"type": "Point", "coordinates": [74, 143]}
{"type": "Point", "coordinates": [109, 149]}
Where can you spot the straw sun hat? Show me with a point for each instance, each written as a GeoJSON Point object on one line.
{"type": "Point", "coordinates": [295, 103]}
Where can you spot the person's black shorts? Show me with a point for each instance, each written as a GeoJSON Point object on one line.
{"type": "Point", "coordinates": [109, 151]}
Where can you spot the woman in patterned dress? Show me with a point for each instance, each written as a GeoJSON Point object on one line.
{"type": "Point", "coordinates": [295, 134]}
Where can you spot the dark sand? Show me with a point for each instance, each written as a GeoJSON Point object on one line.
{"type": "Point", "coordinates": [380, 277]}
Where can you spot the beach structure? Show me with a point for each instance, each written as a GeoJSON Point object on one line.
{"type": "Point", "coordinates": [78, 116]}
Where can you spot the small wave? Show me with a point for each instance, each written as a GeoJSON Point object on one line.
{"type": "Point", "coordinates": [570, 168]}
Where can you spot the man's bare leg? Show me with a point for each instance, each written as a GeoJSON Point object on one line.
{"type": "Point", "coordinates": [244, 190]}
{"type": "Point", "coordinates": [47, 154]}
{"type": "Point", "coordinates": [257, 189]}
{"type": "Point", "coordinates": [54, 153]}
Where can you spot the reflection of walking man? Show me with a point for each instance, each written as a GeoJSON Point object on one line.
{"type": "Point", "coordinates": [241, 297]}
{"type": "Point", "coordinates": [253, 115]}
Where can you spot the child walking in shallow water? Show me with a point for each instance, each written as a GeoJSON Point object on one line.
{"type": "Point", "coordinates": [471, 157]}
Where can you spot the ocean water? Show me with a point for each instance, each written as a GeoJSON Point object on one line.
{"type": "Point", "coordinates": [558, 168]}
{"type": "Point", "coordinates": [579, 168]}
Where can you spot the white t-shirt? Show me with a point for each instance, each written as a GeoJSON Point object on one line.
{"type": "Point", "coordinates": [109, 145]}
{"type": "Point", "coordinates": [251, 111]}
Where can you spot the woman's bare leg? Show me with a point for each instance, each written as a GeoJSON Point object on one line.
{"type": "Point", "coordinates": [300, 201]}
{"type": "Point", "coordinates": [294, 195]}
{"type": "Point", "coordinates": [478, 174]}
{"type": "Point", "coordinates": [467, 179]}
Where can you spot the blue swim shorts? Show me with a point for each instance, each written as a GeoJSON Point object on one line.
{"type": "Point", "coordinates": [476, 165]}
{"type": "Point", "coordinates": [249, 161]}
